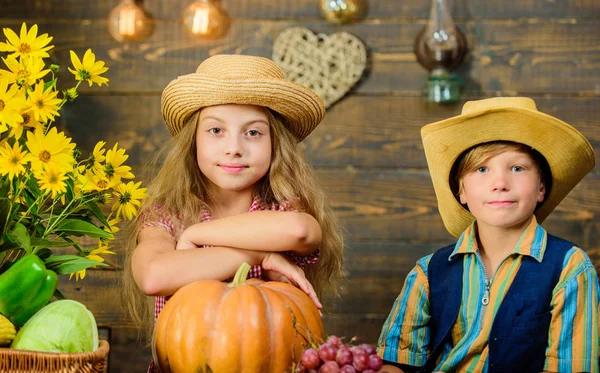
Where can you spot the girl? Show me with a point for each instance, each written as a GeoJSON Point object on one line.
{"type": "Point", "coordinates": [234, 187]}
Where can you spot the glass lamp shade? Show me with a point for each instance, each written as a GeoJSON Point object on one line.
{"type": "Point", "coordinates": [440, 43]}
{"type": "Point", "coordinates": [206, 18]}
{"type": "Point", "coordinates": [440, 34]}
{"type": "Point", "coordinates": [128, 22]}
{"type": "Point", "coordinates": [440, 47]}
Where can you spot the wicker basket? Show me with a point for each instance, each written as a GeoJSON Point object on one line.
{"type": "Point", "coordinates": [19, 361]}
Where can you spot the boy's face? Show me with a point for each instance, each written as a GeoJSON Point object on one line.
{"type": "Point", "coordinates": [503, 190]}
{"type": "Point", "coordinates": [233, 145]}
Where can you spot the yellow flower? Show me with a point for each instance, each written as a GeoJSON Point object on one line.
{"type": "Point", "coordinates": [27, 43]}
{"type": "Point", "coordinates": [19, 199]}
{"type": "Point", "coordinates": [44, 103]}
{"type": "Point", "coordinates": [79, 179]}
{"type": "Point", "coordinates": [28, 121]}
{"type": "Point", "coordinates": [53, 149]}
{"type": "Point", "coordinates": [98, 154]}
{"type": "Point", "coordinates": [26, 71]}
{"type": "Point", "coordinates": [128, 199]}
{"type": "Point", "coordinates": [105, 199]}
{"type": "Point", "coordinates": [78, 275]}
{"type": "Point", "coordinates": [71, 94]}
{"type": "Point", "coordinates": [112, 225]}
{"type": "Point", "coordinates": [90, 69]}
{"type": "Point", "coordinates": [103, 248]}
{"type": "Point", "coordinates": [113, 168]}
{"type": "Point", "coordinates": [52, 180]}
{"type": "Point", "coordinates": [95, 256]}
{"type": "Point", "coordinates": [11, 103]}
{"type": "Point", "coordinates": [95, 182]}
{"type": "Point", "coordinates": [12, 160]}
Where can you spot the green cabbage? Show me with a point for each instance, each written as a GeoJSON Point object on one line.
{"type": "Point", "coordinates": [61, 326]}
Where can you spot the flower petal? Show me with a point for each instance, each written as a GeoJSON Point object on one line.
{"type": "Point", "coordinates": [23, 34]}
{"type": "Point", "coordinates": [88, 59]}
{"type": "Point", "coordinates": [11, 37]}
{"type": "Point", "coordinates": [75, 61]}
{"type": "Point", "coordinates": [31, 35]}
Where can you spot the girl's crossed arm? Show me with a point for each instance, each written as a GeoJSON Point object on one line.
{"type": "Point", "coordinates": [159, 269]}
{"type": "Point", "coordinates": [266, 230]}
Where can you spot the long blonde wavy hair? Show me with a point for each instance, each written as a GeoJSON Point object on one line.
{"type": "Point", "coordinates": [181, 188]}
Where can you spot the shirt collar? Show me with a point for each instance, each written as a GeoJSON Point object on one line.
{"type": "Point", "coordinates": [532, 241]}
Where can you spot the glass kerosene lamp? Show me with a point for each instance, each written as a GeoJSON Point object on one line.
{"type": "Point", "coordinates": [440, 48]}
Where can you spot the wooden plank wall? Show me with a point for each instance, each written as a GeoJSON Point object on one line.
{"type": "Point", "coordinates": [367, 151]}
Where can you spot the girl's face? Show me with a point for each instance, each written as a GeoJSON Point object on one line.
{"type": "Point", "coordinates": [503, 191]}
{"type": "Point", "coordinates": [233, 145]}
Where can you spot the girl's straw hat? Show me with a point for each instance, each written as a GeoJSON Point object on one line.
{"type": "Point", "coordinates": [569, 155]}
{"type": "Point", "coordinates": [238, 79]}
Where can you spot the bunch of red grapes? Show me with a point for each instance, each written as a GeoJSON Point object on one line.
{"type": "Point", "coordinates": [334, 356]}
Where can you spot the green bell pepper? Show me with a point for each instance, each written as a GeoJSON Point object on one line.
{"type": "Point", "coordinates": [25, 288]}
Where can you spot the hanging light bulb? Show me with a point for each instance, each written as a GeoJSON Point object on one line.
{"type": "Point", "coordinates": [343, 11]}
{"type": "Point", "coordinates": [441, 47]}
{"type": "Point", "coordinates": [206, 18]}
{"type": "Point", "coordinates": [128, 22]}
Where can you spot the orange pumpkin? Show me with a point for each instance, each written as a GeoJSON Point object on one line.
{"type": "Point", "coordinates": [248, 326]}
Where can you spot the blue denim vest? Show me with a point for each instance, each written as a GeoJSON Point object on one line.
{"type": "Point", "coordinates": [519, 335]}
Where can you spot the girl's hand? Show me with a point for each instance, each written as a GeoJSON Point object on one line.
{"type": "Point", "coordinates": [276, 276]}
{"type": "Point", "coordinates": [291, 273]}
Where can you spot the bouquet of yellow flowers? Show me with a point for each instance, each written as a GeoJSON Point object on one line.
{"type": "Point", "coordinates": [50, 195]}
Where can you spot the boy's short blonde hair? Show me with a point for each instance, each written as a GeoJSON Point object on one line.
{"type": "Point", "coordinates": [478, 154]}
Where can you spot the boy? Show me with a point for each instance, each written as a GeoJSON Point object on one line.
{"type": "Point", "coordinates": [507, 297]}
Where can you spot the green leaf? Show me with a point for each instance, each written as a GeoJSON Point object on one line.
{"type": "Point", "coordinates": [78, 227]}
{"type": "Point", "coordinates": [42, 242]}
{"type": "Point", "coordinates": [50, 83]}
{"type": "Point", "coordinates": [70, 189]}
{"type": "Point", "coordinates": [32, 186]}
{"type": "Point", "coordinates": [39, 229]}
{"type": "Point", "coordinates": [4, 186]}
{"type": "Point", "coordinates": [44, 253]}
{"type": "Point", "coordinates": [74, 244]}
{"type": "Point", "coordinates": [64, 264]}
{"type": "Point", "coordinates": [19, 235]}
{"type": "Point", "coordinates": [4, 208]}
{"type": "Point", "coordinates": [7, 245]}
{"type": "Point", "coordinates": [81, 212]}
{"type": "Point", "coordinates": [61, 258]}
{"type": "Point", "coordinates": [30, 200]}
{"type": "Point", "coordinates": [95, 210]}
{"type": "Point", "coordinates": [58, 295]}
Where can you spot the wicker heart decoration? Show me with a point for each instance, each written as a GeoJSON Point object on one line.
{"type": "Point", "coordinates": [329, 65]}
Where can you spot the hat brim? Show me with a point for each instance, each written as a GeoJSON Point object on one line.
{"type": "Point", "coordinates": [568, 153]}
{"type": "Point", "coordinates": [301, 107]}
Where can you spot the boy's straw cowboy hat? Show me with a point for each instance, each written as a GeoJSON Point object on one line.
{"type": "Point", "coordinates": [238, 79]}
{"type": "Point", "coordinates": [569, 154]}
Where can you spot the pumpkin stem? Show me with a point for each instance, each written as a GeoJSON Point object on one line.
{"type": "Point", "coordinates": [241, 275]}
